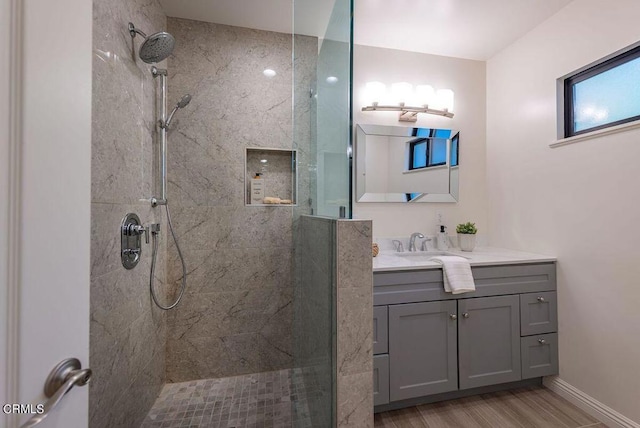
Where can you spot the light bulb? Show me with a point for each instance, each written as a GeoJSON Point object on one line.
{"type": "Point", "coordinates": [425, 95]}
{"type": "Point", "coordinates": [444, 99]}
{"type": "Point", "coordinates": [269, 72]}
{"type": "Point", "coordinates": [401, 92]}
{"type": "Point", "coordinates": [375, 92]}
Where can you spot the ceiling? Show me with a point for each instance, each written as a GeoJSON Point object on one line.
{"type": "Point", "coordinates": [472, 29]}
{"type": "Point", "coordinates": [312, 16]}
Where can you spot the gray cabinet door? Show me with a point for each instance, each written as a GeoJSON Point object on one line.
{"type": "Point", "coordinates": [380, 330]}
{"type": "Point", "coordinates": [422, 349]}
{"type": "Point", "coordinates": [489, 341]}
{"type": "Point", "coordinates": [380, 380]}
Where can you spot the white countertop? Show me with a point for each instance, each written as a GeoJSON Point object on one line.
{"type": "Point", "coordinates": [480, 256]}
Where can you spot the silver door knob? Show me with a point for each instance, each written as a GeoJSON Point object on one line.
{"type": "Point", "coordinates": [542, 341]}
{"type": "Point", "coordinates": [541, 299]}
{"type": "Point", "coordinates": [465, 315]}
{"type": "Point", "coordinates": [453, 316]}
{"type": "Point", "coordinates": [67, 374]}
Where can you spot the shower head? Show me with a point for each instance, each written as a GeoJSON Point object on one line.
{"type": "Point", "coordinates": [155, 47]}
{"type": "Point", "coordinates": [184, 101]}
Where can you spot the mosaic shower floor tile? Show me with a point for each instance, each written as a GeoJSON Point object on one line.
{"type": "Point", "coordinates": [259, 400]}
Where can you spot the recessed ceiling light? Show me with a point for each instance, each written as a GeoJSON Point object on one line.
{"type": "Point", "coordinates": [332, 79]}
{"type": "Point", "coordinates": [263, 160]}
{"type": "Point", "coordinates": [269, 72]}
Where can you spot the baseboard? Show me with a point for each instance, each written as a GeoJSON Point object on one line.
{"type": "Point", "coordinates": [593, 407]}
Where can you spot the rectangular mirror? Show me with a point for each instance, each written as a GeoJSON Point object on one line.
{"type": "Point", "coordinates": [404, 164]}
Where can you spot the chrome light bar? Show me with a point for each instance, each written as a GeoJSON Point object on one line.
{"type": "Point", "coordinates": [408, 114]}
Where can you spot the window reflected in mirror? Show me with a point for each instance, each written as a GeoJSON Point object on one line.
{"type": "Point", "coordinates": [406, 164]}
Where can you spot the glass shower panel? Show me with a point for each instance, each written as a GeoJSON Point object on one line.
{"type": "Point", "coordinates": [321, 138]}
{"type": "Point", "coordinates": [333, 116]}
{"type": "Point", "coordinates": [330, 130]}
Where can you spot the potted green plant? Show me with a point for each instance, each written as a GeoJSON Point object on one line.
{"type": "Point", "coordinates": [467, 236]}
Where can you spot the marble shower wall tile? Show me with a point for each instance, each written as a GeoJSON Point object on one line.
{"type": "Point", "coordinates": [222, 270]}
{"type": "Point", "coordinates": [242, 353]}
{"type": "Point", "coordinates": [124, 102]}
{"type": "Point", "coordinates": [355, 401]}
{"type": "Point", "coordinates": [237, 313]}
{"type": "Point", "coordinates": [127, 332]}
{"type": "Point", "coordinates": [234, 312]}
{"type": "Point", "coordinates": [354, 363]}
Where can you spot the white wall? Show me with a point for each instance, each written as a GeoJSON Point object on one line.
{"type": "Point", "coordinates": [467, 79]}
{"type": "Point", "coordinates": [4, 186]}
{"type": "Point", "coordinates": [55, 196]}
{"type": "Point", "coordinates": [580, 202]}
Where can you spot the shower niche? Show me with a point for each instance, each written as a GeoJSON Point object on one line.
{"type": "Point", "coordinates": [271, 177]}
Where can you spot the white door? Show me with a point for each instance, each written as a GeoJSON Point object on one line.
{"type": "Point", "coordinates": [45, 176]}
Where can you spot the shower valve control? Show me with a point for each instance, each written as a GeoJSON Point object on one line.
{"type": "Point", "coordinates": [136, 229]}
{"type": "Point", "coordinates": [131, 232]}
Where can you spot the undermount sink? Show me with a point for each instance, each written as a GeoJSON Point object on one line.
{"type": "Point", "coordinates": [413, 254]}
{"type": "Point", "coordinates": [423, 256]}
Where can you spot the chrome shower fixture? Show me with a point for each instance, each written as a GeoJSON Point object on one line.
{"type": "Point", "coordinates": [155, 47]}
{"type": "Point", "coordinates": [184, 101]}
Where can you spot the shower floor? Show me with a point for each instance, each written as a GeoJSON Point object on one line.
{"type": "Point", "coordinates": [260, 400]}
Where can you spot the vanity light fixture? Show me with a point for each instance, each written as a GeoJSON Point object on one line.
{"type": "Point", "coordinates": [403, 96]}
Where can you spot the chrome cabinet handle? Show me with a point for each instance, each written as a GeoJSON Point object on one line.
{"type": "Point", "coordinates": [541, 299]}
{"type": "Point", "coordinates": [453, 316]}
{"type": "Point", "coordinates": [542, 341]}
{"type": "Point", "coordinates": [465, 315]}
{"type": "Point", "coordinates": [63, 377]}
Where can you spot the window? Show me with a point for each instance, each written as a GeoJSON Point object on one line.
{"type": "Point", "coordinates": [603, 95]}
{"type": "Point", "coordinates": [418, 151]}
{"type": "Point", "coordinates": [455, 160]}
{"type": "Point", "coordinates": [428, 150]}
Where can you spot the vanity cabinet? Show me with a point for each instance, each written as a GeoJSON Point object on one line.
{"type": "Point", "coordinates": [428, 342]}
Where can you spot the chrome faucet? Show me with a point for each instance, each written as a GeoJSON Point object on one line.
{"type": "Point", "coordinates": [424, 244]}
{"type": "Point", "coordinates": [398, 246]}
{"type": "Point", "coordinates": [412, 240]}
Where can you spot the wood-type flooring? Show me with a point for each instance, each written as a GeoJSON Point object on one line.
{"type": "Point", "coordinates": [532, 407]}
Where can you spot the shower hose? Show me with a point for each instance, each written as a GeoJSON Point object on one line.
{"type": "Point", "coordinates": [153, 265]}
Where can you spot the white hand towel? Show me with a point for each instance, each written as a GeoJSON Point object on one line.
{"type": "Point", "coordinates": [456, 272]}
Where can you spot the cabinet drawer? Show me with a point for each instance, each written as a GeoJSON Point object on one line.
{"type": "Point", "coordinates": [380, 380]}
{"type": "Point", "coordinates": [539, 355]}
{"type": "Point", "coordinates": [538, 313]}
{"type": "Point", "coordinates": [380, 330]}
{"type": "Point", "coordinates": [390, 288]}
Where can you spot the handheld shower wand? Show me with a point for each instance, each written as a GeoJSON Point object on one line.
{"type": "Point", "coordinates": [184, 101]}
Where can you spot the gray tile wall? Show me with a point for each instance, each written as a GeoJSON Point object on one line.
{"type": "Point", "coordinates": [236, 316]}
{"type": "Point", "coordinates": [354, 365]}
{"type": "Point", "coordinates": [127, 344]}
